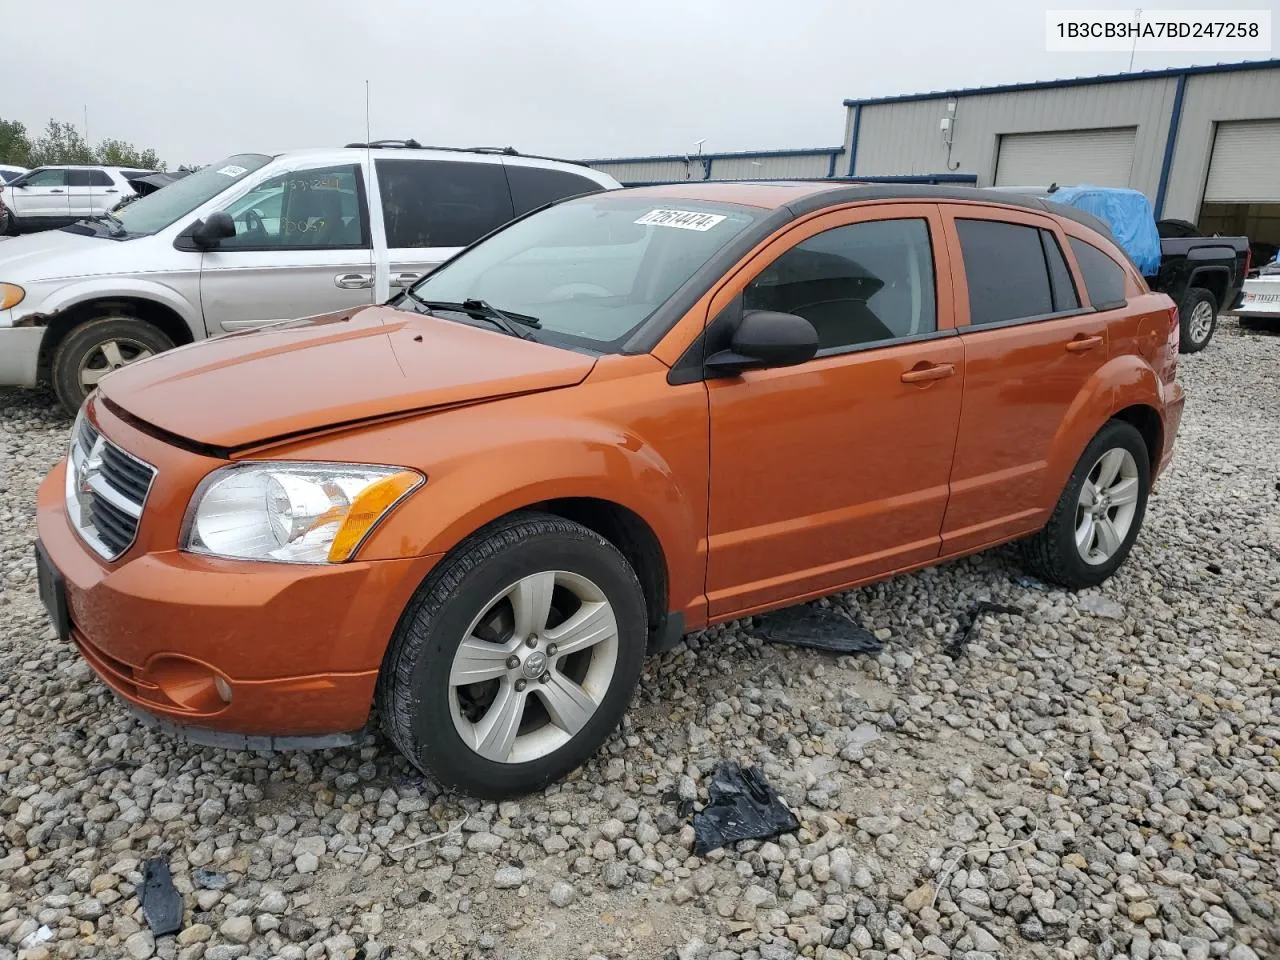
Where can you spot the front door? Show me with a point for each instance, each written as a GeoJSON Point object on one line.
{"type": "Point", "coordinates": [836, 469]}
{"type": "Point", "coordinates": [41, 195]}
{"type": "Point", "coordinates": [302, 247]}
{"type": "Point", "coordinates": [431, 209]}
{"type": "Point", "coordinates": [1030, 349]}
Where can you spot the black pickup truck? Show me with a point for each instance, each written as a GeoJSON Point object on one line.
{"type": "Point", "coordinates": [1202, 275]}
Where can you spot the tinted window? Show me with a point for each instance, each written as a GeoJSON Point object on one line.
{"type": "Point", "coordinates": [441, 203]}
{"type": "Point", "coordinates": [46, 178]}
{"type": "Point", "coordinates": [1005, 267]}
{"type": "Point", "coordinates": [88, 178]}
{"type": "Point", "coordinates": [1103, 277]}
{"type": "Point", "coordinates": [531, 187]}
{"type": "Point", "coordinates": [1064, 288]}
{"type": "Point", "coordinates": [319, 208]}
{"type": "Point", "coordinates": [857, 284]}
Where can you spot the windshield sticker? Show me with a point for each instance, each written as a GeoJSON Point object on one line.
{"type": "Point", "coordinates": [682, 219]}
{"type": "Point", "coordinates": [231, 170]}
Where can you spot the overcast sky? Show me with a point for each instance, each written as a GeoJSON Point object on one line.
{"type": "Point", "coordinates": [573, 78]}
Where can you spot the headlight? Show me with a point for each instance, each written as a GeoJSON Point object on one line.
{"type": "Point", "coordinates": [292, 512]}
{"type": "Point", "coordinates": [10, 295]}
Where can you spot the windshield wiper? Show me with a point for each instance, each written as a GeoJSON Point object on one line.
{"type": "Point", "coordinates": [481, 310]}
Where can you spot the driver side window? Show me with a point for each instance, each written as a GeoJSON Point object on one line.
{"type": "Point", "coordinates": [863, 283]}
{"type": "Point", "coordinates": [320, 209]}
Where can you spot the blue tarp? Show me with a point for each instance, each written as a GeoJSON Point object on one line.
{"type": "Point", "coordinates": [1126, 212]}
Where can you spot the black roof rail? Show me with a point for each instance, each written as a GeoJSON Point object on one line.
{"type": "Point", "coordinates": [415, 145]}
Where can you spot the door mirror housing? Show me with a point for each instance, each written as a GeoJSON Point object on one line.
{"type": "Point", "coordinates": [765, 338]}
{"type": "Point", "coordinates": [207, 234]}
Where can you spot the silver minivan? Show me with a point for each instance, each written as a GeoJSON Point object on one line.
{"type": "Point", "coordinates": [249, 241]}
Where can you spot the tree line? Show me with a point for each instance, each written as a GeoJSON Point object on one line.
{"type": "Point", "coordinates": [62, 143]}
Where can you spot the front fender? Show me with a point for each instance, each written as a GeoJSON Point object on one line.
{"type": "Point", "coordinates": [1123, 381]}
{"type": "Point", "coordinates": [111, 288]}
{"type": "Point", "coordinates": [557, 458]}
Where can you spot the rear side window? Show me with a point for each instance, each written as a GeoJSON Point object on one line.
{"type": "Point", "coordinates": [441, 203]}
{"type": "Point", "coordinates": [531, 187]}
{"type": "Point", "coordinates": [88, 178]}
{"type": "Point", "coordinates": [1103, 277]}
{"type": "Point", "coordinates": [1005, 267]}
{"type": "Point", "coordinates": [1064, 288]}
{"type": "Point", "coordinates": [864, 283]}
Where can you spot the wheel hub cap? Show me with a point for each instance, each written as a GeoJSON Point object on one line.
{"type": "Point", "coordinates": [535, 665]}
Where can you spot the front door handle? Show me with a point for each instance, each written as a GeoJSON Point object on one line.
{"type": "Point", "coordinates": [55, 191]}
{"type": "Point", "coordinates": [353, 281]}
{"type": "Point", "coordinates": [405, 279]}
{"type": "Point", "coordinates": [1082, 343]}
{"type": "Point", "coordinates": [928, 372]}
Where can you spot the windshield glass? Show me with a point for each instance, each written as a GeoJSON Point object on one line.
{"type": "Point", "coordinates": [592, 269]}
{"type": "Point", "coordinates": [157, 210]}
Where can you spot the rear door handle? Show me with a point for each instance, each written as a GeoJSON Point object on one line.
{"type": "Point", "coordinates": [1082, 343]}
{"type": "Point", "coordinates": [405, 279]}
{"type": "Point", "coordinates": [55, 191]}
{"type": "Point", "coordinates": [111, 190]}
{"type": "Point", "coordinates": [353, 281]}
{"type": "Point", "coordinates": [927, 372]}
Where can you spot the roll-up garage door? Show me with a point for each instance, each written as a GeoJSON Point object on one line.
{"type": "Point", "coordinates": [1245, 167]}
{"type": "Point", "coordinates": [1102, 158]}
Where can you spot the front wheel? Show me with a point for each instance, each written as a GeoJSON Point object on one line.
{"type": "Point", "coordinates": [516, 659]}
{"type": "Point", "coordinates": [1198, 315]}
{"type": "Point", "coordinates": [1098, 516]}
{"type": "Point", "coordinates": [94, 349]}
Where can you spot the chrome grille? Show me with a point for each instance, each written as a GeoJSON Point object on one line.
{"type": "Point", "coordinates": [106, 491]}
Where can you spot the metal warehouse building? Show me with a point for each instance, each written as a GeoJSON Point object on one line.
{"type": "Point", "coordinates": [1203, 143]}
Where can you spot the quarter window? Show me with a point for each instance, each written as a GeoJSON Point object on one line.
{"type": "Point", "coordinates": [441, 203]}
{"type": "Point", "coordinates": [310, 209]}
{"type": "Point", "coordinates": [1103, 277]}
{"type": "Point", "coordinates": [864, 283]}
{"type": "Point", "coordinates": [1004, 264]}
{"type": "Point", "coordinates": [531, 187]}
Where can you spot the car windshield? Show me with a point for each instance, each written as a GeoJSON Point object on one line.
{"type": "Point", "coordinates": [157, 210]}
{"type": "Point", "coordinates": [591, 270]}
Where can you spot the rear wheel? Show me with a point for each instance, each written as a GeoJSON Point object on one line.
{"type": "Point", "coordinates": [517, 658]}
{"type": "Point", "coordinates": [1098, 516]}
{"type": "Point", "coordinates": [94, 349]}
{"type": "Point", "coordinates": [1198, 314]}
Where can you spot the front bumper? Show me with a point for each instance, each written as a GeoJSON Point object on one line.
{"type": "Point", "coordinates": [298, 647]}
{"type": "Point", "coordinates": [19, 353]}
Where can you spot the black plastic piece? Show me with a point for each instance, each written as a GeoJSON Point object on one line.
{"type": "Point", "coordinates": [817, 628]}
{"type": "Point", "coordinates": [955, 646]}
{"type": "Point", "coordinates": [742, 806]}
{"type": "Point", "coordinates": [161, 902]}
{"type": "Point", "coordinates": [670, 632]}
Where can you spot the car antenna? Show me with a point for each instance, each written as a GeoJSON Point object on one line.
{"type": "Point", "coordinates": [368, 172]}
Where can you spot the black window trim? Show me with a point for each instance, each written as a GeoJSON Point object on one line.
{"type": "Point", "coordinates": [1019, 321]}
{"type": "Point", "coordinates": [881, 344]}
{"type": "Point", "coordinates": [1046, 236]}
{"type": "Point", "coordinates": [183, 240]}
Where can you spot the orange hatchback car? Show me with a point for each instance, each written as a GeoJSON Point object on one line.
{"type": "Point", "coordinates": [617, 420]}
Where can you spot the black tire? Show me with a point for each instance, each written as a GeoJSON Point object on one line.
{"type": "Point", "coordinates": [1052, 553]}
{"type": "Point", "coordinates": [1196, 297]}
{"type": "Point", "coordinates": [413, 697]}
{"type": "Point", "coordinates": [8, 224]}
{"type": "Point", "coordinates": [131, 335]}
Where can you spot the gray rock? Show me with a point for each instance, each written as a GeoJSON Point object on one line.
{"type": "Point", "coordinates": [237, 929]}
{"type": "Point", "coordinates": [140, 945]}
{"type": "Point", "coordinates": [562, 894]}
{"type": "Point", "coordinates": [508, 878]}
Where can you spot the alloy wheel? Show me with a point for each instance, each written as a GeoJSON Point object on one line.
{"type": "Point", "coordinates": [1107, 505]}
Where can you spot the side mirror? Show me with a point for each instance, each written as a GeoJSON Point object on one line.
{"type": "Point", "coordinates": [207, 234]}
{"type": "Point", "coordinates": [765, 338]}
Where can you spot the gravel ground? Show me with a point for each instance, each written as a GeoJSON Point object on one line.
{"type": "Point", "coordinates": [1099, 777]}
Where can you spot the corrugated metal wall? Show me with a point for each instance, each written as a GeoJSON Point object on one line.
{"type": "Point", "coordinates": [1208, 100]}
{"type": "Point", "coordinates": [764, 165]}
{"type": "Point", "coordinates": [904, 138]}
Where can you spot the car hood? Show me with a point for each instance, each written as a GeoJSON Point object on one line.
{"type": "Point", "coordinates": [58, 254]}
{"type": "Point", "coordinates": [290, 379]}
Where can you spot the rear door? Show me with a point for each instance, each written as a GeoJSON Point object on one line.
{"type": "Point", "coordinates": [90, 191]}
{"type": "Point", "coordinates": [41, 194]}
{"type": "Point", "coordinates": [1030, 347]}
{"type": "Point", "coordinates": [431, 209]}
{"type": "Point", "coordinates": [302, 247]}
